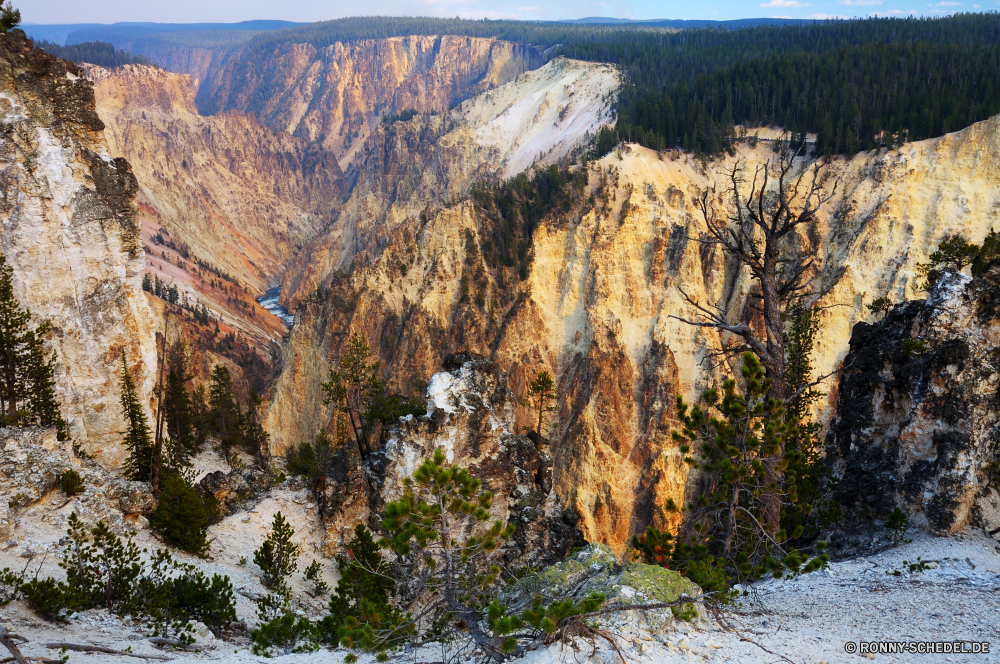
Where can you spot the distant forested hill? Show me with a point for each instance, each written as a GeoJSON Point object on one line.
{"type": "Point", "coordinates": [97, 53]}
{"type": "Point", "coordinates": [859, 84]}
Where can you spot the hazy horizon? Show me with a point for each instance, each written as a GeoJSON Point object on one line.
{"type": "Point", "coordinates": [60, 12]}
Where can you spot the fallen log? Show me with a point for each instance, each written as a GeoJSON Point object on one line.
{"type": "Point", "coordinates": [10, 641]}
{"type": "Point", "coordinates": [80, 647]}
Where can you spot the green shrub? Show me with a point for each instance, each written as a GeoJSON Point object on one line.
{"type": "Point", "coordinates": [182, 516]}
{"type": "Point", "coordinates": [288, 632]}
{"type": "Point", "coordinates": [104, 571]}
{"type": "Point", "coordinates": [71, 483]}
{"type": "Point", "coordinates": [312, 575]}
{"type": "Point", "coordinates": [914, 346]}
{"type": "Point", "coordinates": [101, 568]}
{"type": "Point", "coordinates": [301, 460]}
{"type": "Point", "coordinates": [10, 586]}
{"type": "Point", "coordinates": [897, 524]}
{"type": "Point", "coordinates": [174, 594]}
{"type": "Point", "coordinates": [47, 598]}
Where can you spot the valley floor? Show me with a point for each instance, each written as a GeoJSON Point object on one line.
{"type": "Point", "coordinates": [805, 620]}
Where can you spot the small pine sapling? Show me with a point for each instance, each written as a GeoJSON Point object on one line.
{"type": "Point", "coordinates": [277, 557]}
{"type": "Point", "coordinates": [312, 575]}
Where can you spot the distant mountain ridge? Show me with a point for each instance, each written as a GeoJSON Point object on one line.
{"type": "Point", "coordinates": [77, 33]}
{"type": "Point", "coordinates": [681, 24]}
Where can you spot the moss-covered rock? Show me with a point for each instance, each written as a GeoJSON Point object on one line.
{"type": "Point", "coordinates": [596, 569]}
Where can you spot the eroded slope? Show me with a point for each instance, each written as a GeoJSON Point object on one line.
{"type": "Point", "coordinates": [335, 95]}
{"type": "Point", "coordinates": [428, 162]}
{"type": "Point", "coordinates": [604, 281]}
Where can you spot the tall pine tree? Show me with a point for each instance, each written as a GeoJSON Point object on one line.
{"type": "Point", "coordinates": [138, 438]}
{"type": "Point", "coordinates": [27, 384]}
{"type": "Point", "coordinates": [180, 420]}
{"type": "Point", "coordinates": [225, 414]}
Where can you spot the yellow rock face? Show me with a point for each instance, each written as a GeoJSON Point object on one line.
{"type": "Point", "coordinates": [336, 95]}
{"type": "Point", "coordinates": [430, 161]}
{"type": "Point", "coordinates": [71, 235]}
{"type": "Point", "coordinates": [604, 283]}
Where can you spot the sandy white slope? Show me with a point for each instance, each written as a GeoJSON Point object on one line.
{"type": "Point", "coordinates": [542, 115]}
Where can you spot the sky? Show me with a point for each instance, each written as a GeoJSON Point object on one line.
{"type": "Point", "coordinates": [229, 11]}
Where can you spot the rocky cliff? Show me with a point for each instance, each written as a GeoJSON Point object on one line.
{"type": "Point", "coordinates": [71, 233]}
{"type": "Point", "coordinates": [236, 193]}
{"type": "Point", "coordinates": [336, 95]}
{"type": "Point", "coordinates": [471, 416]}
{"type": "Point", "coordinates": [429, 161]}
{"type": "Point", "coordinates": [604, 279]}
{"type": "Point", "coordinates": [916, 423]}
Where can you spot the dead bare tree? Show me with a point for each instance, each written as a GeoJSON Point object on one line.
{"type": "Point", "coordinates": [758, 230]}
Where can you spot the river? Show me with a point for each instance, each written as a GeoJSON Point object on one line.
{"type": "Point", "coordinates": [270, 302]}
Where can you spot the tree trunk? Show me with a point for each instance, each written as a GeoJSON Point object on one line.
{"type": "Point", "coordinates": [541, 408]}
{"type": "Point", "coordinates": [731, 522]}
{"type": "Point", "coordinates": [775, 365]}
{"type": "Point", "coordinates": [157, 460]}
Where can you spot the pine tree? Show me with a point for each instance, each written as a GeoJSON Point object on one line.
{"type": "Point", "coordinates": [256, 441]}
{"type": "Point", "coordinates": [277, 556]}
{"type": "Point", "coordinates": [181, 515]}
{"type": "Point", "coordinates": [42, 391]}
{"type": "Point", "coordinates": [364, 591]}
{"type": "Point", "coordinates": [732, 437]}
{"type": "Point", "coordinates": [179, 417]}
{"type": "Point", "coordinates": [542, 389]}
{"type": "Point", "coordinates": [10, 18]}
{"type": "Point", "coordinates": [27, 384]}
{"type": "Point", "coordinates": [225, 414]}
{"type": "Point", "coordinates": [353, 388]}
{"type": "Point", "coordinates": [138, 438]}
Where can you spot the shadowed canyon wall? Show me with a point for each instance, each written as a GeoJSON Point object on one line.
{"type": "Point", "coordinates": [336, 95]}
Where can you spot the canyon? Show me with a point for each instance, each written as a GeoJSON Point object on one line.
{"type": "Point", "coordinates": [368, 188]}
{"type": "Point", "coordinates": [380, 235]}
{"type": "Point", "coordinates": [335, 96]}
{"type": "Point", "coordinates": [597, 307]}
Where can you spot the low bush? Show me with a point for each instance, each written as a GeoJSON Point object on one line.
{"type": "Point", "coordinates": [182, 515]}
{"type": "Point", "coordinates": [71, 483]}
{"type": "Point", "coordinates": [106, 571]}
{"type": "Point", "coordinates": [287, 632]}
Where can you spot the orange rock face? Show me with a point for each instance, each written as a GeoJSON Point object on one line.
{"type": "Point", "coordinates": [238, 194]}
{"type": "Point", "coordinates": [336, 95]}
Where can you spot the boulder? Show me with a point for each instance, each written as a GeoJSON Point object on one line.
{"type": "Point", "coordinates": [32, 460]}
{"type": "Point", "coordinates": [918, 412]}
{"type": "Point", "coordinates": [596, 569]}
{"type": "Point", "coordinates": [236, 488]}
{"type": "Point", "coordinates": [132, 497]}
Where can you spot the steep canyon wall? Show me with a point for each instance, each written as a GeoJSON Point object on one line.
{"type": "Point", "coordinates": [604, 281]}
{"type": "Point", "coordinates": [240, 195]}
{"type": "Point", "coordinates": [336, 95]}
{"type": "Point", "coordinates": [71, 234]}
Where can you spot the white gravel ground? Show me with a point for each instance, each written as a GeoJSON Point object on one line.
{"type": "Point", "coordinates": [804, 620]}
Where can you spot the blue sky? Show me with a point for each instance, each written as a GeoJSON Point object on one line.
{"type": "Point", "coordinates": [226, 11]}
